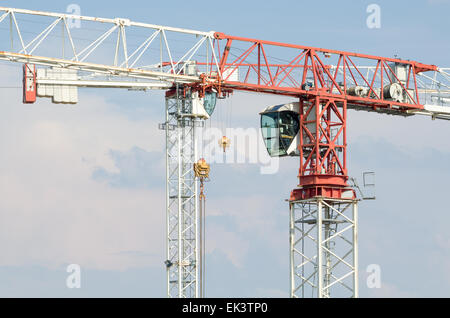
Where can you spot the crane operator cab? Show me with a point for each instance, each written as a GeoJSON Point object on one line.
{"type": "Point", "coordinates": [203, 107]}
{"type": "Point", "coordinates": [280, 129]}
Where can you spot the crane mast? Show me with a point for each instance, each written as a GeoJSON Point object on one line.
{"type": "Point", "coordinates": [195, 68]}
{"type": "Point", "coordinates": [181, 197]}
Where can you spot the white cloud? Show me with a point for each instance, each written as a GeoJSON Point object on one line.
{"type": "Point", "coordinates": [272, 293]}
{"type": "Point", "coordinates": [52, 212]}
{"type": "Point", "coordinates": [438, 1]}
{"type": "Point", "coordinates": [443, 241]}
{"type": "Point", "coordinates": [409, 134]}
{"type": "Point", "coordinates": [389, 290]}
{"type": "Point", "coordinates": [253, 222]}
{"type": "Point", "coordinates": [229, 243]}
{"type": "Point", "coordinates": [253, 213]}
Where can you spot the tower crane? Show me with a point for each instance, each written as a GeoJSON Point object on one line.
{"type": "Point", "coordinates": [195, 69]}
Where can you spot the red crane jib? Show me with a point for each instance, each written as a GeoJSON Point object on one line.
{"type": "Point", "coordinates": [265, 73]}
{"type": "Point", "coordinates": [325, 92]}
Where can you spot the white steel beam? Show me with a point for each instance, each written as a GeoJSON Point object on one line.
{"type": "Point", "coordinates": [97, 68]}
{"type": "Point", "coordinates": [105, 84]}
{"type": "Point", "coordinates": [176, 46]}
{"type": "Point", "coordinates": [103, 20]}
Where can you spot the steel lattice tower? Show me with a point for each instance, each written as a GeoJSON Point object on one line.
{"type": "Point", "coordinates": [181, 197]}
{"type": "Point", "coordinates": [323, 248]}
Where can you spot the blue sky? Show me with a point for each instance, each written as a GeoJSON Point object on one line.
{"type": "Point", "coordinates": [84, 184]}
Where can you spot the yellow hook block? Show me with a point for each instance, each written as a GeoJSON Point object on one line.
{"type": "Point", "coordinates": [201, 169]}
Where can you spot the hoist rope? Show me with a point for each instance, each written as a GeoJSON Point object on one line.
{"type": "Point", "coordinates": [201, 169]}
{"type": "Point", "coordinates": [202, 245]}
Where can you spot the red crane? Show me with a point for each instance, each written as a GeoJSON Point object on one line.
{"type": "Point", "coordinates": [324, 94]}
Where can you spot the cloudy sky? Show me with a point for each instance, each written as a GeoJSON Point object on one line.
{"type": "Point", "coordinates": [84, 184]}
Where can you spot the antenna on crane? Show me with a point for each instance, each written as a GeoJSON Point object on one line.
{"type": "Point", "coordinates": [368, 184]}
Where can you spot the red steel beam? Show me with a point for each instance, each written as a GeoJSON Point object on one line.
{"type": "Point", "coordinates": [265, 76]}
{"type": "Point", "coordinates": [420, 67]}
